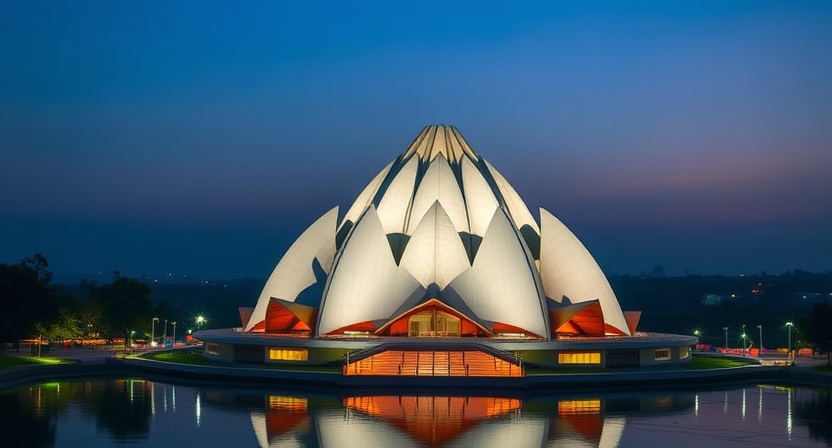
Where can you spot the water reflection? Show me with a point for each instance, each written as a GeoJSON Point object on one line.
{"type": "Point", "coordinates": [814, 409]}
{"type": "Point", "coordinates": [429, 420]}
{"type": "Point", "coordinates": [147, 413]}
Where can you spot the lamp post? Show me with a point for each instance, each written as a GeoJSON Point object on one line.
{"type": "Point", "coordinates": [165, 333]}
{"type": "Point", "coordinates": [761, 340]}
{"type": "Point", "coordinates": [790, 325]}
{"type": "Point", "coordinates": [726, 338]}
{"type": "Point", "coordinates": [199, 321]}
{"type": "Point", "coordinates": [743, 339]}
{"type": "Point", "coordinates": [129, 345]}
{"type": "Point", "coordinates": [153, 331]}
{"type": "Point", "coordinates": [174, 333]}
{"type": "Point", "coordinates": [743, 344]}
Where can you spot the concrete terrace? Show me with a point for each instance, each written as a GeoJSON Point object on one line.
{"type": "Point", "coordinates": [640, 339]}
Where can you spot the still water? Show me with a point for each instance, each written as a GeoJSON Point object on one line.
{"type": "Point", "coordinates": [137, 412]}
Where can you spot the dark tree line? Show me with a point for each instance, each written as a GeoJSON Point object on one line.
{"type": "Point", "coordinates": [675, 305]}
{"type": "Point", "coordinates": [27, 298]}
{"type": "Point", "coordinates": [819, 329]}
{"type": "Point", "coordinates": [31, 306]}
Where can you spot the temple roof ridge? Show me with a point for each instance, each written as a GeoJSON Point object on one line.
{"type": "Point", "coordinates": [440, 139]}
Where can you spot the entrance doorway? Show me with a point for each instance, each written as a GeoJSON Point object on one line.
{"type": "Point", "coordinates": [433, 323]}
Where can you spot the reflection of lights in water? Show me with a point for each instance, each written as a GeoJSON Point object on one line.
{"type": "Point", "coordinates": [165, 398]}
{"type": "Point", "coordinates": [663, 402]}
{"type": "Point", "coordinates": [577, 407]}
{"type": "Point", "coordinates": [484, 422]}
{"type": "Point", "coordinates": [696, 405]}
{"type": "Point", "coordinates": [130, 386]}
{"type": "Point", "coordinates": [288, 403]}
{"type": "Point", "coordinates": [433, 420]}
{"type": "Point", "coordinates": [725, 406]}
{"type": "Point", "coordinates": [481, 422]}
{"type": "Point", "coordinates": [760, 406]}
{"type": "Point", "coordinates": [789, 404]}
{"type": "Point", "coordinates": [173, 394]}
{"type": "Point", "coordinates": [551, 421]}
{"type": "Point", "coordinates": [198, 410]}
{"type": "Point", "coordinates": [743, 403]}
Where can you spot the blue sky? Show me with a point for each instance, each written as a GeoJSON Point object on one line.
{"type": "Point", "coordinates": [202, 137]}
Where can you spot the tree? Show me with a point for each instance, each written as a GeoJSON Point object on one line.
{"type": "Point", "coordinates": [125, 306]}
{"type": "Point", "coordinates": [67, 326]}
{"type": "Point", "coordinates": [90, 316]}
{"type": "Point", "coordinates": [27, 298]}
{"type": "Point", "coordinates": [819, 329]}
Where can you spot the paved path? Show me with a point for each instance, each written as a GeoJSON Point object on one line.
{"type": "Point", "coordinates": [806, 362]}
{"type": "Point", "coordinates": [84, 355]}
{"type": "Point", "coordinates": [87, 356]}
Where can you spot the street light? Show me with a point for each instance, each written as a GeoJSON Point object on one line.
{"type": "Point", "coordinates": [761, 340]}
{"type": "Point", "coordinates": [129, 345]}
{"type": "Point", "coordinates": [174, 333]}
{"type": "Point", "coordinates": [743, 339]}
{"type": "Point", "coordinates": [726, 338]}
{"type": "Point", "coordinates": [199, 321]}
{"type": "Point", "coordinates": [743, 344]}
{"type": "Point", "coordinates": [165, 335]}
{"type": "Point", "coordinates": [790, 325]}
{"type": "Point", "coordinates": [153, 331]}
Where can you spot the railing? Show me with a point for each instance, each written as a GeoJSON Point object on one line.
{"type": "Point", "coordinates": [615, 338]}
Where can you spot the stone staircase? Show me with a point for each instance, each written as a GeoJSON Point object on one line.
{"type": "Point", "coordinates": [473, 363]}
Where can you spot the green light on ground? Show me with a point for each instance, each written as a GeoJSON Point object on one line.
{"type": "Point", "coordinates": [47, 360]}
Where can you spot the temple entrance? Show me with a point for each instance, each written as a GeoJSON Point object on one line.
{"type": "Point", "coordinates": [433, 323]}
{"type": "Point", "coordinates": [432, 319]}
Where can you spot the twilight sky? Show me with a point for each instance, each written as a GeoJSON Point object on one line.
{"type": "Point", "coordinates": [203, 137]}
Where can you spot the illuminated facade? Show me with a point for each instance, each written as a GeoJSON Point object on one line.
{"type": "Point", "coordinates": [438, 244]}
{"type": "Point", "coordinates": [439, 269]}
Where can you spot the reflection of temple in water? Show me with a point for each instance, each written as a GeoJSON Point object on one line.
{"type": "Point", "coordinates": [433, 421]}
{"type": "Point", "coordinates": [136, 410]}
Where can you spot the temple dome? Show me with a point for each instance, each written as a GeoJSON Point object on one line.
{"type": "Point", "coordinates": [438, 228]}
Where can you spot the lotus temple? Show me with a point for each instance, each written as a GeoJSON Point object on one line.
{"type": "Point", "coordinates": [439, 269]}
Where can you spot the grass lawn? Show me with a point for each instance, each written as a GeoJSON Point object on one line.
{"type": "Point", "coordinates": [13, 361]}
{"type": "Point", "coordinates": [707, 362]}
{"type": "Point", "coordinates": [195, 358]}
{"type": "Point", "coordinates": [180, 358]}
{"type": "Point", "coordinates": [827, 368]}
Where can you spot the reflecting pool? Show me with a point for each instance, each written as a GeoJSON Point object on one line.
{"type": "Point", "coordinates": [138, 412]}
